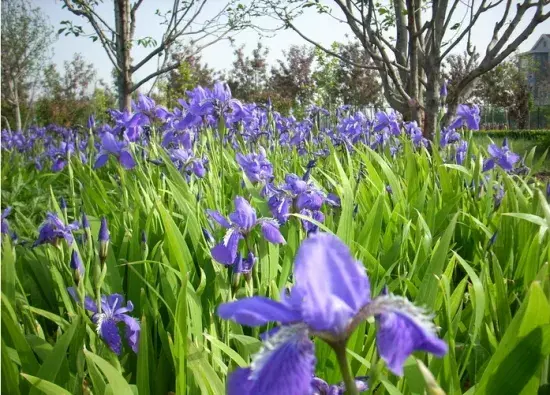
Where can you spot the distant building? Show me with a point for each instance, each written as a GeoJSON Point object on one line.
{"type": "Point", "coordinates": [536, 65]}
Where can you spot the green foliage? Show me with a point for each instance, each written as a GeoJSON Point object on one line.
{"type": "Point", "coordinates": [515, 133]}
{"type": "Point", "coordinates": [190, 73]}
{"type": "Point", "coordinates": [26, 40]}
{"type": "Point", "coordinates": [429, 240]}
{"type": "Point", "coordinates": [338, 82]}
{"type": "Point", "coordinates": [72, 96]}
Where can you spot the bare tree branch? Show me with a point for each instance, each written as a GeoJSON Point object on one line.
{"type": "Point", "coordinates": [107, 44]}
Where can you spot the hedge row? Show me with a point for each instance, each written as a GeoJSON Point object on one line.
{"type": "Point", "coordinates": [515, 133]}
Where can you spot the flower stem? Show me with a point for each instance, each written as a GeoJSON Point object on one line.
{"type": "Point", "coordinates": [349, 381]}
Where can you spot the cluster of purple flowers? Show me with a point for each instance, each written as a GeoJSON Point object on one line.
{"type": "Point", "coordinates": [298, 195]}
{"type": "Point", "coordinates": [5, 226]}
{"type": "Point", "coordinates": [127, 140]}
{"type": "Point", "coordinates": [112, 310]}
{"type": "Point", "coordinates": [239, 224]}
{"type": "Point", "coordinates": [257, 167]}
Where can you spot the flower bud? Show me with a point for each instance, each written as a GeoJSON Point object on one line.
{"type": "Point", "coordinates": [103, 240]}
{"type": "Point", "coordinates": [77, 266]}
{"type": "Point", "coordinates": [85, 222]}
{"type": "Point", "coordinates": [236, 275]}
{"type": "Point", "coordinates": [208, 236]}
{"type": "Point", "coordinates": [91, 122]}
{"type": "Point", "coordinates": [493, 238]}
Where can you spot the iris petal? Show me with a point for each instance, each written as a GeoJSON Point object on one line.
{"type": "Point", "coordinates": [109, 332]}
{"type": "Point", "coordinates": [226, 251]}
{"type": "Point", "coordinates": [101, 160]}
{"type": "Point", "coordinates": [238, 382]}
{"type": "Point", "coordinates": [216, 216]}
{"type": "Point", "coordinates": [285, 365]}
{"type": "Point", "coordinates": [336, 285]}
{"type": "Point", "coordinates": [126, 160]}
{"type": "Point", "coordinates": [258, 310]}
{"type": "Point", "coordinates": [132, 331]}
{"type": "Point", "coordinates": [244, 215]}
{"type": "Point", "coordinates": [402, 329]}
{"type": "Point", "coordinates": [271, 232]}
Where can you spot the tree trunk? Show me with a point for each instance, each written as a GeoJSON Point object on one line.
{"type": "Point", "coordinates": [124, 60]}
{"type": "Point", "coordinates": [431, 102]}
{"type": "Point", "coordinates": [17, 106]}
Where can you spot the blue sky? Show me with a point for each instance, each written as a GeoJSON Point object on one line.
{"type": "Point", "coordinates": [220, 56]}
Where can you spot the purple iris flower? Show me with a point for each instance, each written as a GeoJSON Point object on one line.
{"type": "Point", "coordinates": [501, 156]}
{"type": "Point", "coordinates": [330, 298]}
{"type": "Point", "coordinates": [461, 151]}
{"type": "Point", "coordinates": [309, 226]}
{"type": "Point", "coordinates": [279, 205]}
{"type": "Point", "coordinates": [380, 139]}
{"type": "Point", "coordinates": [60, 155]}
{"type": "Point", "coordinates": [239, 224]}
{"type": "Point", "coordinates": [5, 227]}
{"type": "Point", "coordinates": [466, 116]}
{"type": "Point", "coordinates": [256, 166]}
{"type": "Point", "coordinates": [387, 120]}
{"type": "Point", "coordinates": [129, 124]}
{"type": "Point", "coordinates": [204, 102]}
{"type": "Point", "coordinates": [53, 229]}
{"type": "Point", "coordinates": [415, 133]}
{"type": "Point", "coordinates": [321, 387]}
{"type": "Point", "coordinates": [113, 311]}
{"type": "Point", "coordinates": [147, 106]}
{"type": "Point", "coordinates": [298, 195]}
{"type": "Point", "coordinates": [312, 199]}
{"type": "Point", "coordinates": [119, 149]}
{"type": "Point", "coordinates": [177, 138]}
{"type": "Point", "coordinates": [184, 160]}
{"type": "Point", "coordinates": [448, 136]}
{"type": "Point", "coordinates": [498, 195]}
{"type": "Point", "coordinates": [243, 265]}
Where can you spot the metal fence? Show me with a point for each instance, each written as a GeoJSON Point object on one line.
{"type": "Point", "coordinates": [499, 118]}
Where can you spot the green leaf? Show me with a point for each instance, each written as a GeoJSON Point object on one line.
{"type": "Point", "coordinates": [46, 387]}
{"type": "Point", "coordinates": [117, 382]}
{"type": "Point", "coordinates": [428, 289]}
{"type": "Point", "coordinates": [10, 379]}
{"type": "Point", "coordinates": [523, 347]}
{"type": "Point", "coordinates": [50, 368]}
{"type": "Point", "coordinates": [227, 350]}
{"type": "Point", "coordinates": [535, 219]}
{"type": "Point", "coordinates": [478, 297]}
{"type": "Point", "coordinates": [142, 375]}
